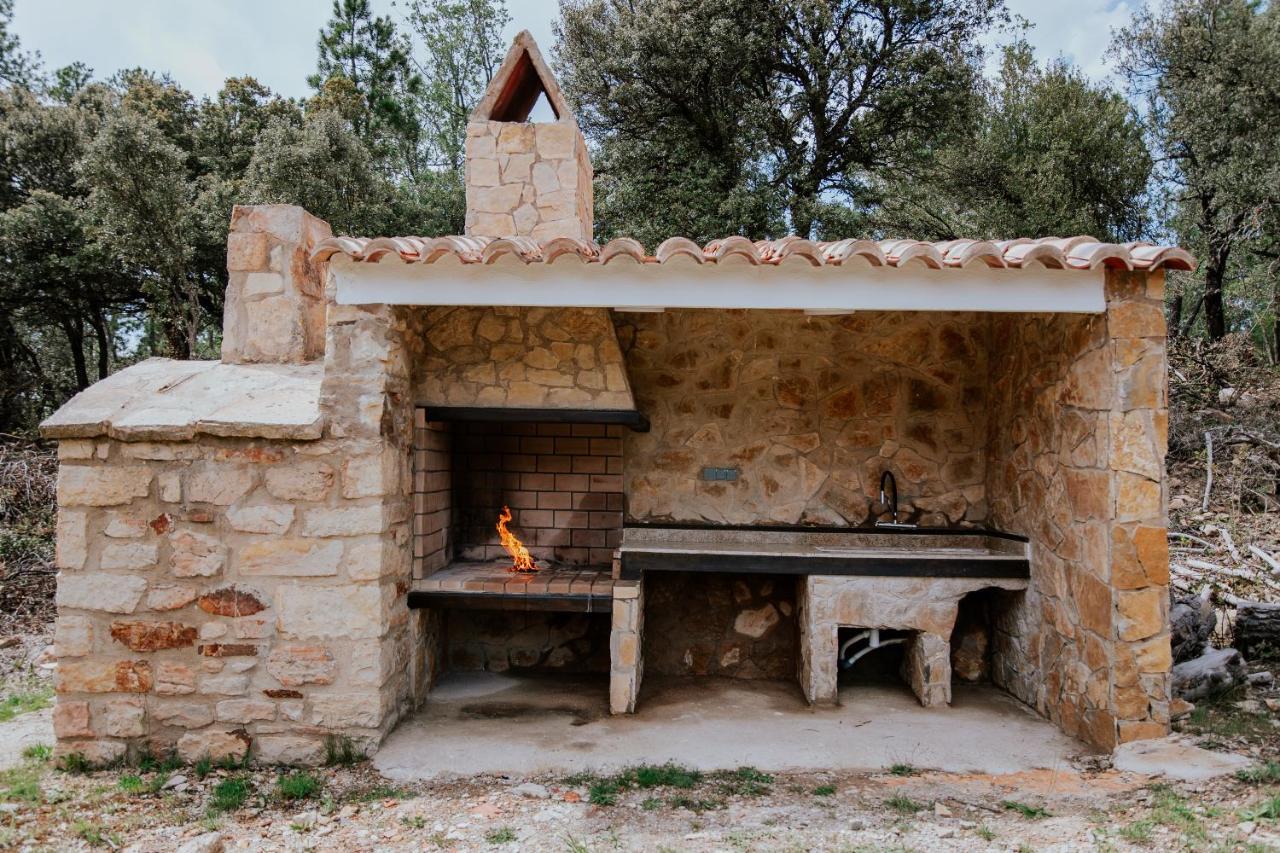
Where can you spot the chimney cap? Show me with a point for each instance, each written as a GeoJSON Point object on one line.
{"type": "Point", "coordinates": [522, 76]}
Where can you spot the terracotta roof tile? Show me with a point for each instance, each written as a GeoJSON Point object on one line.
{"type": "Point", "coordinates": [1077, 253]}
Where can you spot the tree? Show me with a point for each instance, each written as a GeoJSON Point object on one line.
{"type": "Point", "coordinates": [817, 97]}
{"type": "Point", "coordinates": [323, 167]}
{"type": "Point", "coordinates": [365, 50]}
{"type": "Point", "coordinates": [1208, 72]}
{"type": "Point", "coordinates": [17, 67]}
{"type": "Point", "coordinates": [1047, 153]}
{"type": "Point", "coordinates": [142, 201]}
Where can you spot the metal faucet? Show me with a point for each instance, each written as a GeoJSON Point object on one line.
{"type": "Point", "coordinates": [887, 477]}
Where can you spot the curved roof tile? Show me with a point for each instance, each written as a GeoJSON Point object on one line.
{"type": "Point", "coordinates": [1077, 253]}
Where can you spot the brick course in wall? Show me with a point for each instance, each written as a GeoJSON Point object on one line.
{"type": "Point", "coordinates": [562, 482]}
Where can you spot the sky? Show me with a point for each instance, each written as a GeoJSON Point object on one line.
{"type": "Point", "coordinates": [200, 43]}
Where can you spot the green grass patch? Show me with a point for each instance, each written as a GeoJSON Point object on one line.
{"type": "Point", "coordinates": [74, 762]}
{"type": "Point", "coordinates": [1169, 808]}
{"type": "Point", "coordinates": [131, 784]}
{"type": "Point", "coordinates": [651, 804]}
{"type": "Point", "coordinates": [1268, 809]}
{"type": "Point", "coordinates": [697, 805]}
{"type": "Point", "coordinates": [38, 752]}
{"type": "Point", "coordinates": [824, 791]}
{"type": "Point", "coordinates": [1138, 832]}
{"type": "Point", "coordinates": [92, 834]}
{"type": "Point", "coordinates": [297, 786]}
{"type": "Point", "coordinates": [605, 790]}
{"type": "Point", "coordinates": [743, 782]}
{"type": "Point", "coordinates": [903, 770]}
{"type": "Point", "coordinates": [986, 833]}
{"type": "Point", "coordinates": [1028, 811]}
{"type": "Point", "coordinates": [203, 766]}
{"type": "Point", "coordinates": [24, 702]}
{"type": "Point", "coordinates": [501, 835]}
{"type": "Point", "coordinates": [150, 763]}
{"type": "Point", "coordinates": [228, 795]}
{"type": "Point", "coordinates": [1218, 718]}
{"type": "Point", "coordinates": [1261, 774]}
{"type": "Point", "coordinates": [904, 805]}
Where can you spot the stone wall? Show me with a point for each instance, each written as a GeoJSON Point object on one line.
{"type": "Point", "coordinates": [810, 410]}
{"type": "Point", "coordinates": [518, 358]}
{"type": "Point", "coordinates": [226, 594]}
{"type": "Point", "coordinates": [528, 178]}
{"type": "Point", "coordinates": [719, 624]}
{"type": "Point", "coordinates": [1078, 430]}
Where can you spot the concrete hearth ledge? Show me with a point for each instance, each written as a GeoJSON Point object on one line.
{"type": "Point", "coordinates": [1177, 757]}
{"type": "Point", "coordinates": [161, 399]}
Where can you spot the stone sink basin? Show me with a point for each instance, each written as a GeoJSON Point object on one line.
{"type": "Point", "coordinates": [870, 551]}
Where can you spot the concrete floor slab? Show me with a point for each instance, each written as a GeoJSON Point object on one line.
{"type": "Point", "coordinates": [1176, 757]}
{"type": "Point", "coordinates": [487, 723]}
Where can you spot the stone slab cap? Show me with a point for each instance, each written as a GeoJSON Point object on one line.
{"type": "Point", "coordinates": [515, 87]}
{"type": "Point", "coordinates": [161, 399]}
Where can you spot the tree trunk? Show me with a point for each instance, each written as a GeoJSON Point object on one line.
{"type": "Point", "coordinates": [104, 344]}
{"type": "Point", "coordinates": [75, 341]}
{"type": "Point", "coordinates": [1258, 630]}
{"type": "Point", "coordinates": [1215, 320]}
{"type": "Point", "coordinates": [1175, 316]}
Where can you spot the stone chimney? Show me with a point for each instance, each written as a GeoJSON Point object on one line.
{"type": "Point", "coordinates": [527, 179]}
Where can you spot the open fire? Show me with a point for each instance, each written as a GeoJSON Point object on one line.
{"type": "Point", "coordinates": [521, 560]}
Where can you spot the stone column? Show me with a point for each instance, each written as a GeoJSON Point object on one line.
{"type": "Point", "coordinates": [819, 639]}
{"type": "Point", "coordinates": [275, 307]}
{"type": "Point", "coordinates": [927, 669]}
{"type": "Point", "coordinates": [1139, 420]}
{"type": "Point", "coordinates": [625, 646]}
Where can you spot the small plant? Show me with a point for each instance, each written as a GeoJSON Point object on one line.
{"type": "Point", "coordinates": [902, 770]}
{"type": "Point", "coordinates": [414, 822]}
{"type": "Point", "coordinates": [297, 786]}
{"type": "Point", "coordinates": [228, 795]}
{"type": "Point", "coordinates": [1029, 812]}
{"type": "Point", "coordinates": [573, 845]}
{"type": "Point", "coordinates": [1139, 832]}
{"type": "Point", "coordinates": [604, 793]}
{"type": "Point", "coordinates": [92, 834]}
{"type": "Point", "coordinates": [651, 804]}
{"type": "Point", "coordinates": [501, 835]}
{"type": "Point", "coordinates": [986, 833]}
{"type": "Point", "coordinates": [667, 775]}
{"type": "Point", "coordinates": [38, 752]}
{"type": "Point", "coordinates": [22, 703]}
{"type": "Point", "coordinates": [341, 750]}
{"type": "Point", "coordinates": [230, 763]}
{"type": "Point", "coordinates": [1261, 774]}
{"type": "Point", "coordinates": [131, 784]}
{"type": "Point", "coordinates": [744, 782]}
{"type": "Point", "coordinates": [203, 766]}
{"type": "Point", "coordinates": [903, 805]}
{"type": "Point", "coordinates": [1266, 810]}
{"type": "Point", "coordinates": [25, 789]}
{"type": "Point", "coordinates": [75, 762]}
{"type": "Point", "coordinates": [149, 763]}
{"type": "Point", "coordinates": [824, 791]}
{"type": "Point", "coordinates": [695, 804]}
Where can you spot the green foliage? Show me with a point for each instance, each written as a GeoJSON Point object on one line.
{"type": "Point", "coordinates": [297, 786]}
{"type": "Point", "coordinates": [228, 795]}
{"type": "Point", "coordinates": [1028, 811]}
{"type": "Point", "coordinates": [1267, 773]}
{"type": "Point", "coordinates": [903, 804]}
{"type": "Point", "coordinates": [22, 703]}
{"type": "Point", "coordinates": [203, 766]}
{"type": "Point", "coordinates": [902, 770]}
{"type": "Point", "coordinates": [131, 784]}
{"type": "Point", "coordinates": [75, 762]}
{"type": "Point", "coordinates": [501, 835]}
{"type": "Point", "coordinates": [1268, 809]}
{"type": "Point", "coordinates": [39, 752]}
{"type": "Point", "coordinates": [824, 791]}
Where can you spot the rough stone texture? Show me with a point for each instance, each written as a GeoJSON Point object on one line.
{"type": "Point", "coordinates": [719, 624]}
{"type": "Point", "coordinates": [500, 641]}
{"type": "Point", "coordinates": [275, 305]}
{"type": "Point", "coordinates": [626, 641]}
{"type": "Point", "coordinates": [926, 606]}
{"type": "Point", "coordinates": [565, 358]}
{"type": "Point", "coordinates": [810, 411]}
{"type": "Point", "coordinates": [1077, 437]}
{"type": "Point", "coordinates": [528, 179]}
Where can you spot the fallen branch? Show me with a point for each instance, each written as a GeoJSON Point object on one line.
{"type": "Point", "coordinates": [1205, 542]}
{"type": "Point", "coordinates": [1208, 479]}
{"type": "Point", "coordinates": [1266, 558]}
{"type": "Point", "coordinates": [1228, 541]}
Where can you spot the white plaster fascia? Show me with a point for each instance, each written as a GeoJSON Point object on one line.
{"type": "Point", "coordinates": [646, 287]}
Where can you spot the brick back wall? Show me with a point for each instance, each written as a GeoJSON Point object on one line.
{"type": "Point", "coordinates": [562, 482]}
{"type": "Point", "coordinates": [432, 495]}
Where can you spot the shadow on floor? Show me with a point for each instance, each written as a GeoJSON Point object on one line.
{"type": "Point", "coordinates": [491, 723]}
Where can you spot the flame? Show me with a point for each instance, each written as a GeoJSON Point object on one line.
{"type": "Point", "coordinates": [521, 561]}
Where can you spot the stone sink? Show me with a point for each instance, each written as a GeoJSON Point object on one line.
{"type": "Point", "coordinates": [869, 551]}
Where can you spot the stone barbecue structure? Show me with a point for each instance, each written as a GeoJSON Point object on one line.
{"type": "Point", "coordinates": [292, 544]}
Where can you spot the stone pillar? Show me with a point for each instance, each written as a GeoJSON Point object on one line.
{"type": "Point", "coordinates": [1138, 427]}
{"type": "Point", "coordinates": [625, 646]}
{"type": "Point", "coordinates": [819, 640]}
{"type": "Point", "coordinates": [275, 307]}
{"type": "Point", "coordinates": [927, 669]}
